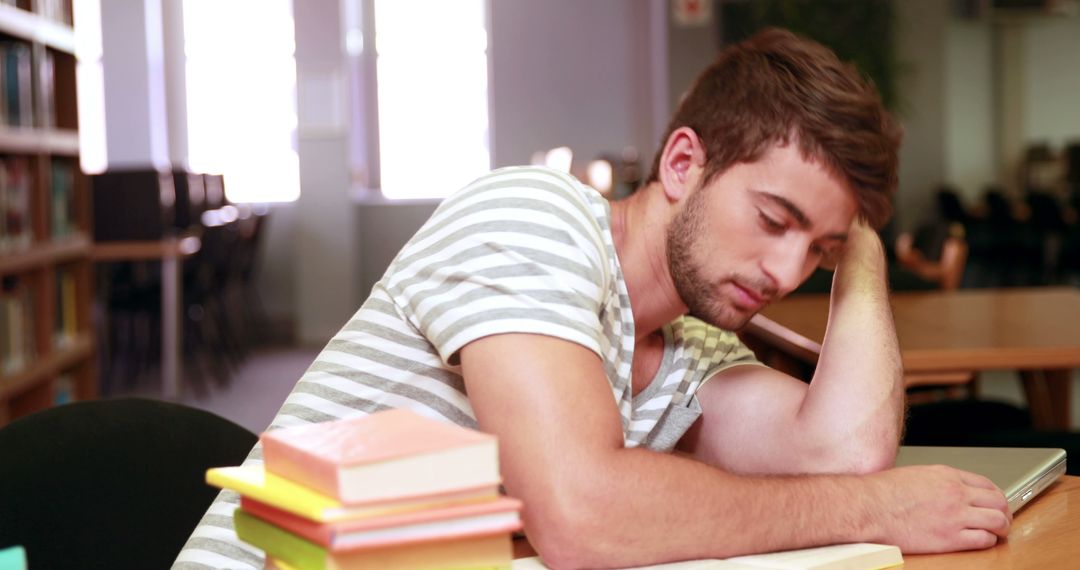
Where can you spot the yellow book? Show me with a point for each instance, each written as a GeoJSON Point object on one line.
{"type": "Point", "coordinates": [255, 482]}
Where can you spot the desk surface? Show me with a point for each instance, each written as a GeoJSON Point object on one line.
{"type": "Point", "coordinates": [1044, 536]}
{"type": "Point", "coordinates": [980, 329]}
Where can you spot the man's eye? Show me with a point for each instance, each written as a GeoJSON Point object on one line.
{"type": "Point", "coordinates": [827, 258]}
{"type": "Point", "coordinates": [769, 223]}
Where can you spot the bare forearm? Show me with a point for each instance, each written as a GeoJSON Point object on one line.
{"type": "Point", "coordinates": [632, 507]}
{"type": "Point", "coordinates": [857, 391]}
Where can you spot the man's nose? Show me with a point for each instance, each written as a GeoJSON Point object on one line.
{"type": "Point", "coordinates": [785, 266]}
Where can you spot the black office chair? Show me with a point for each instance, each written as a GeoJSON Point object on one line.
{"type": "Point", "coordinates": [110, 483]}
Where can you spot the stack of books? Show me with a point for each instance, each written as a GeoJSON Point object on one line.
{"type": "Point", "coordinates": [389, 490]}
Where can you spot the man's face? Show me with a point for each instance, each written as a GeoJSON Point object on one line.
{"type": "Point", "coordinates": [755, 233]}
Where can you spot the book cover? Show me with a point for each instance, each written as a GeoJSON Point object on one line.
{"type": "Point", "coordinates": [254, 482]}
{"type": "Point", "coordinates": [495, 550]}
{"type": "Point", "coordinates": [390, 454]}
{"type": "Point", "coordinates": [14, 179]}
{"type": "Point", "coordinates": [457, 521]}
{"type": "Point", "coordinates": [61, 199]}
{"type": "Point", "coordinates": [18, 83]}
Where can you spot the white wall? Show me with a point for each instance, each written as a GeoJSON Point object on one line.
{"type": "Point", "coordinates": [969, 108]}
{"type": "Point", "coordinates": [921, 44]}
{"type": "Point", "coordinates": [326, 251]}
{"type": "Point", "coordinates": [133, 66]}
{"type": "Point", "coordinates": [1052, 104]}
{"type": "Point", "coordinates": [566, 72]}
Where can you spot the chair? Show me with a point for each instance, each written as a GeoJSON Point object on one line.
{"type": "Point", "coordinates": [936, 253]}
{"type": "Point", "coordinates": [111, 483]}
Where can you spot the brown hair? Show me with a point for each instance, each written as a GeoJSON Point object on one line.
{"type": "Point", "coordinates": [775, 87]}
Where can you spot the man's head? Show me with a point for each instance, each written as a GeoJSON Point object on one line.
{"type": "Point", "coordinates": [776, 88]}
{"type": "Point", "coordinates": [773, 153]}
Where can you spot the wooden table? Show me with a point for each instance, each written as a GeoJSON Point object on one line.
{"type": "Point", "coordinates": [170, 252]}
{"type": "Point", "coordinates": [946, 336]}
{"type": "Point", "coordinates": [1044, 536]}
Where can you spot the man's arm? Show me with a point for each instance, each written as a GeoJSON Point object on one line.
{"type": "Point", "coordinates": [848, 419]}
{"type": "Point", "coordinates": [591, 502]}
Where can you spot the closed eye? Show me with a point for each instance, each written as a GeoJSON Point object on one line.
{"type": "Point", "coordinates": [828, 256]}
{"type": "Point", "coordinates": [770, 224]}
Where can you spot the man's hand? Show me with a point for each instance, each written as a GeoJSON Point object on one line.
{"type": "Point", "coordinates": [940, 509]}
{"type": "Point", "coordinates": [862, 260]}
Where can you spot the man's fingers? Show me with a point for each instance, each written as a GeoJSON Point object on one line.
{"type": "Point", "coordinates": [976, 539]}
{"type": "Point", "coordinates": [976, 480]}
{"type": "Point", "coordinates": [990, 499]}
{"type": "Point", "coordinates": [991, 520]}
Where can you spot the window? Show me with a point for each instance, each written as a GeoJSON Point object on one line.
{"type": "Point", "coordinates": [241, 96]}
{"type": "Point", "coordinates": [431, 73]}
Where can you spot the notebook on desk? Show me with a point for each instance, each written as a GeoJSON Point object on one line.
{"type": "Point", "coordinates": [1021, 472]}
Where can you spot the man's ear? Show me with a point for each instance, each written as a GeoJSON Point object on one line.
{"type": "Point", "coordinates": [682, 163]}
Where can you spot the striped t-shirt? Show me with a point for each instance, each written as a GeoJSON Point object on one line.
{"type": "Point", "coordinates": [521, 250]}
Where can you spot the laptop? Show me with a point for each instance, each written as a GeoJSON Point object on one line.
{"type": "Point", "coordinates": [1021, 472]}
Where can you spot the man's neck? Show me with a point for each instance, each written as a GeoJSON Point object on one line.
{"type": "Point", "coordinates": [639, 227]}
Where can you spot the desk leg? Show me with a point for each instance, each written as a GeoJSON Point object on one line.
{"type": "Point", "coordinates": [1049, 394]}
{"type": "Point", "coordinates": [171, 331]}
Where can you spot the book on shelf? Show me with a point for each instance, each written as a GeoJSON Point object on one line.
{"type": "Point", "coordinates": [46, 74]}
{"type": "Point", "coordinates": [854, 556]}
{"type": "Point", "coordinates": [55, 10]}
{"type": "Point", "coordinates": [62, 198]}
{"type": "Point", "coordinates": [16, 67]}
{"type": "Point", "coordinates": [15, 186]}
{"type": "Point", "coordinates": [383, 456]}
{"type": "Point", "coordinates": [66, 326]}
{"type": "Point", "coordinates": [63, 390]}
{"type": "Point", "coordinates": [252, 481]}
{"type": "Point", "coordinates": [482, 551]}
{"type": "Point", "coordinates": [446, 523]}
{"type": "Point", "coordinates": [17, 348]}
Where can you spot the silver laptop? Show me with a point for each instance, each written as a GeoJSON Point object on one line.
{"type": "Point", "coordinates": [1021, 472]}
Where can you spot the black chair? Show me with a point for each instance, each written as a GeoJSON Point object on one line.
{"type": "Point", "coordinates": [111, 483]}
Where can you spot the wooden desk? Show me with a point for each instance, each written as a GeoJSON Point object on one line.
{"type": "Point", "coordinates": [170, 252]}
{"type": "Point", "coordinates": [947, 335]}
{"type": "Point", "coordinates": [1043, 537]}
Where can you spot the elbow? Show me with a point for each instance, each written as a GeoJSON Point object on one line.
{"type": "Point", "coordinates": [854, 454]}
{"type": "Point", "coordinates": [873, 454]}
{"type": "Point", "coordinates": [875, 459]}
{"type": "Point", "coordinates": [567, 533]}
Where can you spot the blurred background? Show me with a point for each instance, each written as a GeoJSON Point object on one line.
{"type": "Point", "coordinates": [197, 194]}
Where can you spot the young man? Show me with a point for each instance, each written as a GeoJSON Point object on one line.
{"type": "Point", "coordinates": [593, 338]}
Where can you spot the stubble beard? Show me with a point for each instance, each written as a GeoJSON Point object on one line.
{"type": "Point", "coordinates": [702, 299]}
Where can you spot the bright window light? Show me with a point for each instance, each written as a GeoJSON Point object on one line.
{"type": "Point", "coordinates": [90, 81]}
{"type": "Point", "coordinates": [432, 96]}
{"type": "Point", "coordinates": [241, 96]}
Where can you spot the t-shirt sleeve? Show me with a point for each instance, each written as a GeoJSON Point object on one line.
{"type": "Point", "coordinates": [518, 251]}
{"type": "Point", "coordinates": [730, 352]}
{"type": "Point", "coordinates": [736, 354]}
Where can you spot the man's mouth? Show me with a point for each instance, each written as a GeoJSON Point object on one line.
{"type": "Point", "coordinates": [748, 298]}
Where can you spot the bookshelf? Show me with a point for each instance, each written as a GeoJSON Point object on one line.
{"type": "Point", "coordinates": [47, 346]}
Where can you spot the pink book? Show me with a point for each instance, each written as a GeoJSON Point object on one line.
{"type": "Point", "coordinates": [387, 455]}
{"type": "Point", "coordinates": [475, 519]}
